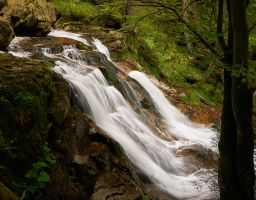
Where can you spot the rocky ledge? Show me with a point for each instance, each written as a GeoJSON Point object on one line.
{"type": "Point", "coordinates": [48, 149]}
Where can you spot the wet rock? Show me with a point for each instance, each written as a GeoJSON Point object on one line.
{"type": "Point", "coordinates": [60, 108]}
{"type": "Point", "coordinates": [6, 34]}
{"type": "Point", "coordinates": [116, 45]}
{"type": "Point", "coordinates": [63, 184]}
{"type": "Point", "coordinates": [114, 185]}
{"type": "Point", "coordinates": [55, 45]}
{"type": "Point", "coordinates": [201, 114]}
{"type": "Point", "coordinates": [28, 17]}
{"type": "Point", "coordinates": [86, 159]}
{"type": "Point", "coordinates": [198, 156]}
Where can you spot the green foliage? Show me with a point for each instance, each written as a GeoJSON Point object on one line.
{"type": "Point", "coordinates": [37, 177]}
{"type": "Point", "coordinates": [24, 99]}
{"type": "Point", "coordinates": [86, 12]}
{"type": "Point", "coordinates": [192, 97]}
{"type": "Point", "coordinates": [144, 197]}
{"type": "Point", "coordinates": [149, 41]}
{"type": "Point", "coordinates": [76, 10]}
{"type": "Point", "coordinates": [47, 65]}
{"type": "Point", "coordinates": [159, 44]}
{"type": "Point", "coordinates": [110, 8]}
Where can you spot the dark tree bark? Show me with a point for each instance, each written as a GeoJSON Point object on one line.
{"type": "Point", "coordinates": [236, 173]}
{"type": "Point", "coordinates": [227, 143]}
{"type": "Point", "coordinates": [242, 101]}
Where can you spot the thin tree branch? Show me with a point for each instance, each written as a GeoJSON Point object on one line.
{"type": "Point", "coordinates": [174, 10]}
{"type": "Point", "coordinates": [220, 36]}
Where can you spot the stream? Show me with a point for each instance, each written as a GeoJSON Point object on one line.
{"type": "Point", "coordinates": [154, 138]}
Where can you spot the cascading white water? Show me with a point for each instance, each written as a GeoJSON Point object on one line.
{"type": "Point", "coordinates": [103, 103]}
{"type": "Point", "coordinates": [65, 34]}
{"type": "Point", "coordinates": [179, 125]}
{"type": "Point", "coordinates": [16, 50]}
{"type": "Point", "coordinates": [101, 48]}
{"type": "Point", "coordinates": [150, 154]}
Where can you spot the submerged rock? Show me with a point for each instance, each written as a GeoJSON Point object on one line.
{"type": "Point", "coordinates": [30, 18]}
{"type": "Point", "coordinates": [198, 156]}
{"type": "Point", "coordinates": [6, 34]}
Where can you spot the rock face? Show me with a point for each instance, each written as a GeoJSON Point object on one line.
{"type": "Point", "coordinates": [41, 133]}
{"type": "Point", "coordinates": [6, 34]}
{"type": "Point", "coordinates": [90, 165]}
{"type": "Point", "coordinates": [29, 17]}
{"type": "Point", "coordinates": [31, 99]}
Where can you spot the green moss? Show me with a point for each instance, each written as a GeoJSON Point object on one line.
{"type": "Point", "coordinates": [192, 98]}
{"type": "Point", "coordinates": [27, 93]}
{"type": "Point", "coordinates": [144, 197]}
{"type": "Point", "coordinates": [76, 11]}
{"type": "Point", "coordinates": [48, 65]}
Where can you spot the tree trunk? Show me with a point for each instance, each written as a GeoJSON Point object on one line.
{"type": "Point", "coordinates": [242, 100]}
{"type": "Point", "coordinates": [227, 144]}
{"type": "Point", "coordinates": [236, 169]}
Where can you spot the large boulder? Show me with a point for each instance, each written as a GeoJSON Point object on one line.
{"type": "Point", "coordinates": [29, 17]}
{"type": "Point", "coordinates": [6, 34]}
{"type": "Point", "coordinates": [33, 102]}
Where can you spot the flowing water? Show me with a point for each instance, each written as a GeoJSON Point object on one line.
{"type": "Point", "coordinates": [153, 156]}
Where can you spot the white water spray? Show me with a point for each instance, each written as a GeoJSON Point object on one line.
{"type": "Point", "coordinates": [179, 125]}
{"type": "Point", "coordinates": [15, 49]}
{"type": "Point", "coordinates": [101, 48]}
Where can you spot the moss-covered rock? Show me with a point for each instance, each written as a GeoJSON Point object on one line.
{"type": "Point", "coordinates": [32, 101]}
{"type": "Point", "coordinates": [86, 159]}
{"type": "Point", "coordinates": [36, 117]}
{"type": "Point", "coordinates": [6, 34]}
{"type": "Point", "coordinates": [29, 17]}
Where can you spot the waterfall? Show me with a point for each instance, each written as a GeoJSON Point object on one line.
{"type": "Point", "coordinates": [106, 106]}
{"type": "Point", "coordinates": [179, 125]}
{"type": "Point", "coordinates": [16, 50]}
